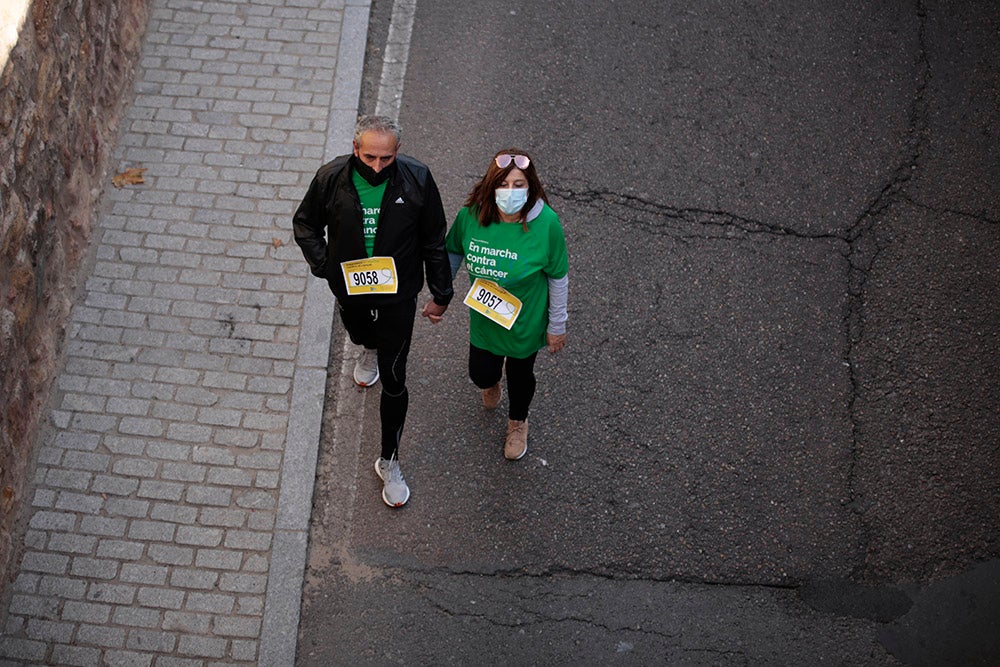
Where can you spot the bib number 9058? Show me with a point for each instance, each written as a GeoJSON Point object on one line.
{"type": "Point", "coordinates": [361, 278]}
{"type": "Point", "coordinates": [372, 275]}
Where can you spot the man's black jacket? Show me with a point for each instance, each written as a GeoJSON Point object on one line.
{"type": "Point", "coordinates": [411, 230]}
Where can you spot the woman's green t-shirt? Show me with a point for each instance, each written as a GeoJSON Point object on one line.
{"type": "Point", "coordinates": [519, 261]}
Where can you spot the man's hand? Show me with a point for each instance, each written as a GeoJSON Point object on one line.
{"type": "Point", "coordinates": [556, 342]}
{"type": "Point", "coordinates": [433, 311]}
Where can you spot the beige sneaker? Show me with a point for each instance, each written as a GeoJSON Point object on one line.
{"type": "Point", "coordinates": [491, 396]}
{"type": "Point", "coordinates": [517, 439]}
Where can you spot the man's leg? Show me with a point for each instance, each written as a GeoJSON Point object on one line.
{"type": "Point", "coordinates": [394, 330]}
{"type": "Point", "coordinates": [360, 325]}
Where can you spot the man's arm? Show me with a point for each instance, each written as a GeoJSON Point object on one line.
{"type": "Point", "coordinates": [432, 233]}
{"type": "Point", "coordinates": [310, 229]}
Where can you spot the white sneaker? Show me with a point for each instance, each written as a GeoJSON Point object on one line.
{"type": "Point", "coordinates": [366, 368]}
{"type": "Point", "coordinates": [395, 492]}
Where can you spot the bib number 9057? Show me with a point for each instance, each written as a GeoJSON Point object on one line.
{"type": "Point", "coordinates": [494, 302]}
{"type": "Point", "coordinates": [488, 299]}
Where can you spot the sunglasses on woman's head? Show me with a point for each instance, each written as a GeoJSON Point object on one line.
{"type": "Point", "coordinates": [520, 161]}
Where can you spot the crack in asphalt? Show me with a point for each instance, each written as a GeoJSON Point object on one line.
{"type": "Point", "coordinates": [864, 250]}
{"type": "Point", "coordinates": [862, 246]}
{"type": "Point", "coordinates": [661, 213]}
{"type": "Point", "coordinates": [417, 575]}
{"type": "Point", "coordinates": [981, 217]}
{"type": "Point", "coordinates": [533, 617]}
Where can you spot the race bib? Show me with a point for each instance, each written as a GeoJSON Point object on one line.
{"type": "Point", "coordinates": [489, 299]}
{"type": "Point", "coordinates": [374, 275]}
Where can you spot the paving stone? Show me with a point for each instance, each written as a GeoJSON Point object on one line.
{"type": "Point", "coordinates": [79, 502]}
{"type": "Point", "coordinates": [72, 543]}
{"type": "Point", "coordinates": [219, 559]}
{"type": "Point", "coordinates": [138, 573]}
{"type": "Point", "coordinates": [188, 623]}
{"type": "Point", "coordinates": [208, 495]}
{"type": "Point", "coordinates": [204, 537]}
{"type": "Point", "coordinates": [136, 617]}
{"type": "Point", "coordinates": [107, 484]}
{"type": "Point", "coordinates": [86, 611]}
{"type": "Point", "coordinates": [170, 555]}
{"type": "Point", "coordinates": [194, 578]}
{"type": "Point", "coordinates": [210, 602]}
{"type": "Point", "coordinates": [45, 563]}
{"type": "Point", "coordinates": [100, 635]}
{"type": "Point", "coordinates": [165, 598]}
{"type": "Point", "coordinates": [151, 640]}
{"type": "Point", "coordinates": [37, 607]}
{"type": "Point", "coordinates": [229, 477]}
{"type": "Point", "coordinates": [58, 521]}
{"type": "Point", "coordinates": [176, 513]}
{"type": "Point", "coordinates": [62, 587]}
{"type": "Point", "coordinates": [123, 507]}
{"type": "Point", "coordinates": [23, 649]}
{"type": "Point", "coordinates": [94, 568]}
{"type": "Point", "coordinates": [120, 549]}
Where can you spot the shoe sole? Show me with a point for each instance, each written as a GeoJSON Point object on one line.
{"type": "Point", "coordinates": [384, 499]}
{"type": "Point", "coordinates": [363, 384]}
{"type": "Point", "coordinates": [516, 458]}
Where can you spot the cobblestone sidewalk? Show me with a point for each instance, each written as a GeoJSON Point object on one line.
{"type": "Point", "coordinates": [172, 493]}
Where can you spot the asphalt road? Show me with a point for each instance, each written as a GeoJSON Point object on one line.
{"type": "Point", "coordinates": [774, 435]}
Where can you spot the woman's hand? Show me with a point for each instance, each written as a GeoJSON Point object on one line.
{"type": "Point", "coordinates": [556, 342]}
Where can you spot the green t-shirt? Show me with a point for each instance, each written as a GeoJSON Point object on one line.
{"type": "Point", "coordinates": [371, 205]}
{"type": "Point", "coordinates": [520, 262]}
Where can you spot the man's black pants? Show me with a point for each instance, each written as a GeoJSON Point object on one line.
{"type": "Point", "coordinates": [387, 329]}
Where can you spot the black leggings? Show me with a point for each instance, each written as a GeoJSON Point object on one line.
{"type": "Point", "coordinates": [486, 369]}
{"type": "Point", "coordinates": [387, 329]}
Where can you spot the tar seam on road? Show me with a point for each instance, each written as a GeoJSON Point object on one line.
{"type": "Point", "coordinates": [397, 52]}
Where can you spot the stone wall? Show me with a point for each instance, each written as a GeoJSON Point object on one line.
{"type": "Point", "coordinates": [62, 93]}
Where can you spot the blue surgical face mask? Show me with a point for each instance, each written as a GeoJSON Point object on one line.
{"type": "Point", "coordinates": [511, 200]}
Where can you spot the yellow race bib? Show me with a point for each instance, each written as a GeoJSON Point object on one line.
{"type": "Point", "coordinates": [489, 299]}
{"type": "Point", "coordinates": [373, 275]}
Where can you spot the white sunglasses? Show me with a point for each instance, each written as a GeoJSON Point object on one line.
{"type": "Point", "coordinates": [520, 161]}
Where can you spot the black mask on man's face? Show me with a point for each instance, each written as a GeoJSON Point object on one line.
{"type": "Point", "coordinates": [369, 174]}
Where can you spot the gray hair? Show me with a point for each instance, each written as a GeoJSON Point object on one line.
{"type": "Point", "coordinates": [381, 124]}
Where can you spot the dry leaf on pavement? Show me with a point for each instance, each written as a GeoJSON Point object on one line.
{"type": "Point", "coordinates": [130, 176]}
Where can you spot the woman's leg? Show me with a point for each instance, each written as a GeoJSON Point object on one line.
{"type": "Point", "coordinates": [520, 386]}
{"type": "Point", "coordinates": [485, 368]}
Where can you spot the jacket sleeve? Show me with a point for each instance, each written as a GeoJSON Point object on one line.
{"type": "Point", "coordinates": [309, 228]}
{"type": "Point", "coordinates": [432, 233]}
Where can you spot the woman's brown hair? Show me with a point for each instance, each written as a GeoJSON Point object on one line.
{"type": "Point", "coordinates": [481, 200]}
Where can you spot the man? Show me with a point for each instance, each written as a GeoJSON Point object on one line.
{"type": "Point", "coordinates": [369, 224]}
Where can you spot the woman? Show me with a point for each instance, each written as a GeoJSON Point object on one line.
{"type": "Point", "coordinates": [514, 249]}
